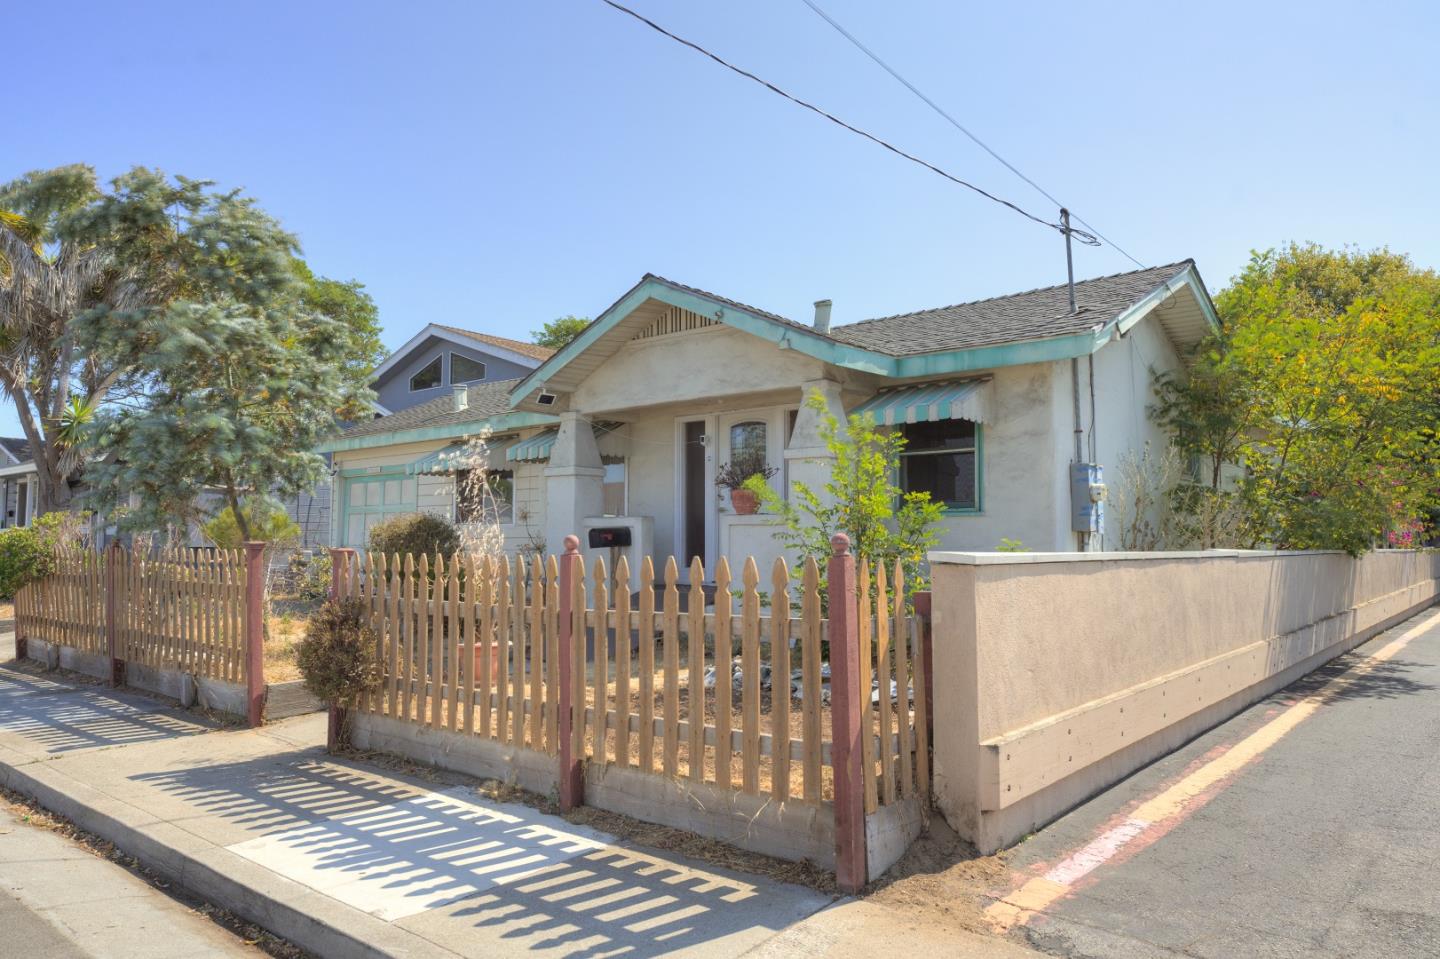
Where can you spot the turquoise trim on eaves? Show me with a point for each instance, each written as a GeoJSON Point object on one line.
{"type": "Point", "coordinates": [853, 357]}
{"type": "Point", "coordinates": [498, 423]}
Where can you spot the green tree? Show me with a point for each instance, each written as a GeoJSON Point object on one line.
{"type": "Point", "coordinates": [266, 520]}
{"type": "Point", "coordinates": [347, 303]}
{"type": "Point", "coordinates": [860, 499]}
{"type": "Point", "coordinates": [1324, 382]}
{"type": "Point", "coordinates": [560, 331]}
{"type": "Point", "coordinates": [96, 286]}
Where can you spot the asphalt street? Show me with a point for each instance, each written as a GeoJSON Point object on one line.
{"type": "Point", "coordinates": [1324, 844]}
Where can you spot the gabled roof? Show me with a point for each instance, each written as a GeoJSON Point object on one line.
{"type": "Point", "coordinates": [523, 354]}
{"type": "Point", "coordinates": [485, 399]}
{"type": "Point", "coordinates": [1006, 319]}
{"type": "Point", "coordinates": [1029, 327]}
{"type": "Point", "coordinates": [17, 448]}
{"type": "Point", "coordinates": [533, 350]}
{"type": "Point", "coordinates": [488, 406]}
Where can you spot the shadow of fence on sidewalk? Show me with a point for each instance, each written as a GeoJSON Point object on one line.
{"type": "Point", "coordinates": [441, 859]}
{"type": "Point", "coordinates": [61, 717]}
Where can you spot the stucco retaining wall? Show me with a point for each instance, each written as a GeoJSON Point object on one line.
{"type": "Point", "coordinates": [457, 752]}
{"type": "Point", "coordinates": [1056, 675]}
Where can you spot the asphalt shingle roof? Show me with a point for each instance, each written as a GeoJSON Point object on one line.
{"type": "Point", "coordinates": [486, 399]}
{"type": "Point", "coordinates": [17, 446]}
{"type": "Point", "coordinates": [1007, 319]}
{"type": "Point", "coordinates": [533, 350]}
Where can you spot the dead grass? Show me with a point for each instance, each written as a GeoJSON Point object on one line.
{"type": "Point", "coordinates": [284, 628]}
{"type": "Point", "coordinates": [31, 814]}
{"type": "Point", "coordinates": [7, 611]}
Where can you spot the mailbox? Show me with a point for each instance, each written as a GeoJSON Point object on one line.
{"type": "Point", "coordinates": [605, 537]}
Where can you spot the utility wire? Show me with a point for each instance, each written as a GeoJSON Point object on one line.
{"type": "Point", "coordinates": [957, 124]}
{"type": "Point", "coordinates": [1087, 238]}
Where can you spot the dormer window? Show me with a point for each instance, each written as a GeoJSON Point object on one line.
{"type": "Point", "coordinates": [465, 370]}
{"type": "Point", "coordinates": [427, 377]}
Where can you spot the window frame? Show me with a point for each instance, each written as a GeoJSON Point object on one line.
{"type": "Point", "coordinates": [484, 368]}
{"type": "Point", "coordinates": [410, 380]}
{"type": "Point", "coordinates": [977, 448]}
{"type": "Point", "coordinates": [456, 479]}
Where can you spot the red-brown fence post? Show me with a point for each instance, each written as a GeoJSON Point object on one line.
{"type": "Point", "coordinates": [255, 633]}
{"type": "Point", "coordinates": [923, 607]}
{"type": "Point", "coordinates": [845, 693]}
{"type": "Point", "coordinates": [340, 559]}
{"type": "Point", "coordinates": [572, 776]}
{"type": "Point", "coordinates": [112, 558]}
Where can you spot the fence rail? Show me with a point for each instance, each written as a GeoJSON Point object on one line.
{"type": "Point", "coordinates": [193, 612]}
{"type": "Point", "coordinates": [736, 695]}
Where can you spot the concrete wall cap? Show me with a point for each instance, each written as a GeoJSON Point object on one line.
{"type": "Point", "coordinates": [947, 557]}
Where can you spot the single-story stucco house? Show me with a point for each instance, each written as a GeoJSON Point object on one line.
{"type": "Point", "coordinates": [1007, 405]}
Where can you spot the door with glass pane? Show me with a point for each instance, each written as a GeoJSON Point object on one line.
{"type": "Point", "coordinates": [371, 499]}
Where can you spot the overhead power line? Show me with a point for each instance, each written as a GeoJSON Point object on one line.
{"type": "Point", "coordinates": [1080, 235]}
{"type": "Point", "coordinates": [958, 125]}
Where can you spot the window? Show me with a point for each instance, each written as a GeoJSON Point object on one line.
{"type": "Point", "coordinates": [614, 489]}
{"type": "Point", "coordinates": [942, 459]}
{"type": "Point", "coordinates": [465, 370]}
{"type": "Point", "coordinates": [747, 446]}
{"type": "Point", "coordinates": [427, 377]}
{"type": "Point", "coordinates": [495, 504]}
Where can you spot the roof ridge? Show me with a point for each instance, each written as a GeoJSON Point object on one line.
{"type": "Point", "coordinates": [1188, 261]}
{"type": "Point", "coordinates": [496, 339]}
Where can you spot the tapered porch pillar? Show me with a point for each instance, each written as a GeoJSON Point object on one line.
{"type": "Point", "coordinates": [574, 481]}
{"type": "Point", "coordinates": [807, 459]}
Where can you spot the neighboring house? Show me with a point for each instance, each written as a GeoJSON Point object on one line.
{"type": "Point", "coordinates": [19, 482]}
{"type": "Point", "coordinates": [1004, 402]}
{"type": "Point", "coordinates": [429, 366]}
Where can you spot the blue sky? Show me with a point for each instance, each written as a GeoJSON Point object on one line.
{"type": "Point", "coordinates": [492, 165]}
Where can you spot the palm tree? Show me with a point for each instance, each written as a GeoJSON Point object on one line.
{"type": "Point", "coordinates": [47, 278]}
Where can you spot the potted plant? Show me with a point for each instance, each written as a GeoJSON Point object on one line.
{"type": "Point", "coordinates": [732, 476]}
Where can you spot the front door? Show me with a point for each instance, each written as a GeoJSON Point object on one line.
{"type": "Point", "coordinates": [694, 493]}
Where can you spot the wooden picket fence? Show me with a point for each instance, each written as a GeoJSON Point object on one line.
{"type": "Point", "coordinates": [67, 607]}
{"type": "Point", "coordinates": [178, 610]}
{"type": "Point", "coordinates": [736, 696]}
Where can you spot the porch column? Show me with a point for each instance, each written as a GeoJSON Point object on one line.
{"type": "Point", "coordinates": [807, 460]}
{"type": "Point", "coordinates": [574, 481]}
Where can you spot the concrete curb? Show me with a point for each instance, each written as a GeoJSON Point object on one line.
{"type": "Point", "coordinates": [308, 919]}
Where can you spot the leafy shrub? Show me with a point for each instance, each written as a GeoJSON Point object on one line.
{"type": "Point", "coordinates": [25, 555]}
{"type": "Point", "coordinates": [338, 658]}
{"type": "Point", "coordinates": [421, 534]}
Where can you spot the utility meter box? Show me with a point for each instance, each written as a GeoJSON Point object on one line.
{"type": "Point", "coordinates": [1087, 498]}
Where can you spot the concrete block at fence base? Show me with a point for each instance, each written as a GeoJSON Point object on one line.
{"type": "Point", "coordinates": [92, 664]}
{"type": "Point", "coordinates": [794, 830]}
{"type": "Point", "coordinates": [220, 696]}
{"type": "Point", "coordinates": [889, 831]}
{"type": "Point", "coordinates": [457, 752]}
{"type": "Point", "coordinates": [162, 682]}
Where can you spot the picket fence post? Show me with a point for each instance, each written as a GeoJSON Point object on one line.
{"type": "Point", "coordinates": [340, 559]}
{"type": "Point", "coordinates": [112, 559]}
{"type": "Point", "coordinates": [845, 693]}
{"type": "Point", "coordinates": [255, 633]}
{"type": "Point", "coordinates": [572, 775]}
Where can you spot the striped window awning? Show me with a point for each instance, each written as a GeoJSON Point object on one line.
{"type": "Point", "coordinates": [537, 448]}
{"type": "Point", "coordinates": [928, 402]}
{"type": "Point", "coordinates": [440, 462]}
{"type": "Point", "coordinates": [534, 450]}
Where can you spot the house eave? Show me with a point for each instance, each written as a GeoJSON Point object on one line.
{"type": "Point", "coordinates": [500, 422]}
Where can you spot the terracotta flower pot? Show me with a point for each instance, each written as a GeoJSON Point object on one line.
{"type": "Point", "coordinates": [744, 502]}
